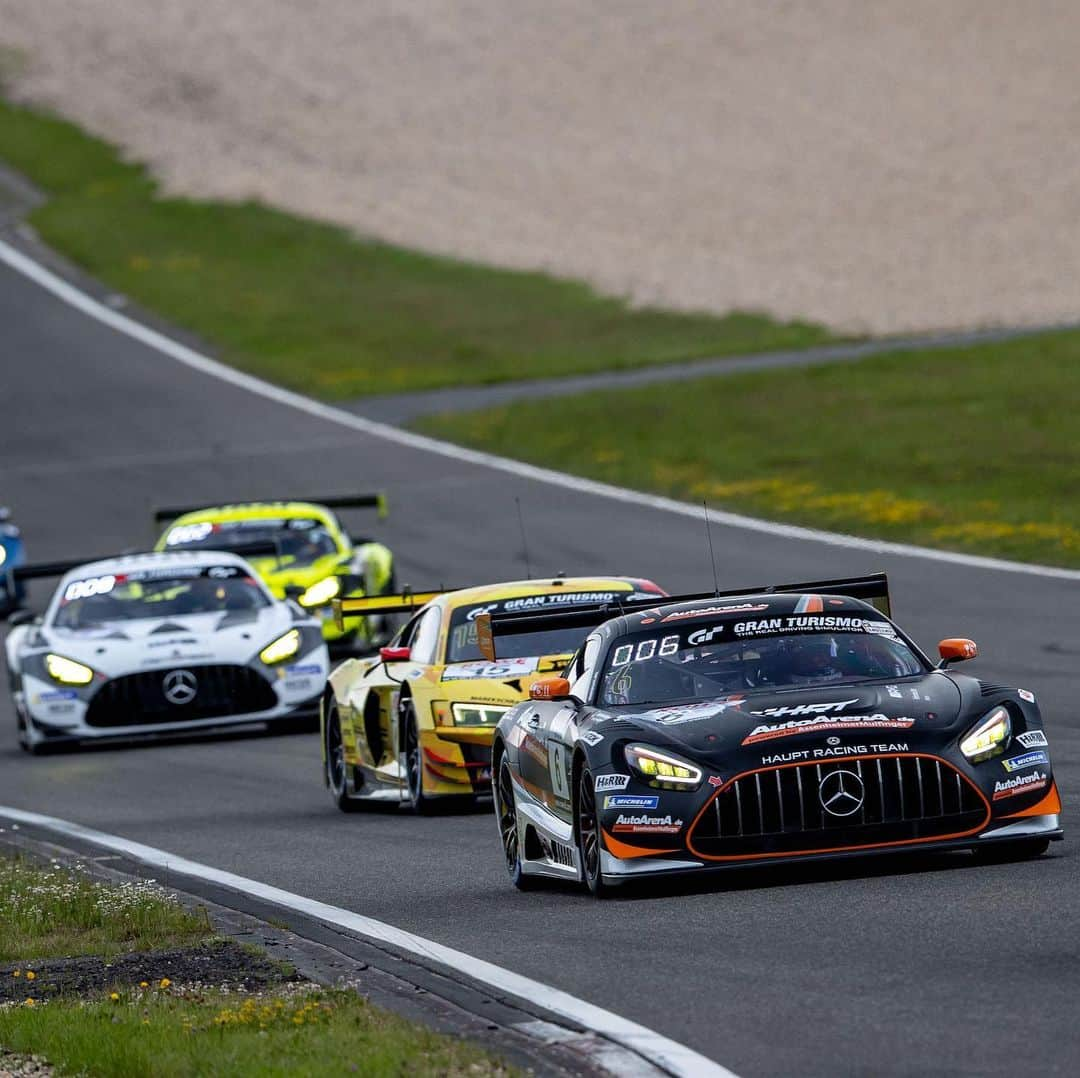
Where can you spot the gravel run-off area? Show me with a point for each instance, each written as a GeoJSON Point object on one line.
{"type": "Point", "coordinates": [903, 165]}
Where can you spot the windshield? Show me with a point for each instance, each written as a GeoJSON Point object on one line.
{"type": "Point", "coordinates": [712, 660]}
{"type": "Point", "coordinates": [157, 593]}
{"type": "Point", "coordinates": [462, 647]}
{"type": "Point", "coordinates": [298, 541]}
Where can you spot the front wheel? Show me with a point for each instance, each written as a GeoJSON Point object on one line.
{"type": "Point", "coordinates": [422, 805]}
{"type": "Point", "coordinates": [506, 813]}
{"type": "Point", "coordinates": [587, 826]}
{"type": "Point", "coordinates": [335, 761]}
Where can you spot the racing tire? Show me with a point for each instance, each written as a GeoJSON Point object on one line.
{"type": "Point", "coordinates": [587, 830]}
{"type": "Point", "coordinates": [1000, 853]}
{"type": "Point", "coordinates": [335, 762]}
{"type": "Point", "coordinates": [506, 814]}
{"type": "Point", "coordinates": [421, 804]}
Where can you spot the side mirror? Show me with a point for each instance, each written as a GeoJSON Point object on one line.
{"type": "Point", "coordinates": [20, 617]}
{"type": "Point", "coordinates": [956, 649]}
{"type": "Point", "coordinates": [395, 655]}
{"type": "Point", "coordinates": [550, 688]}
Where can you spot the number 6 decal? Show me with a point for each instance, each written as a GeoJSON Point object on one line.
{"type": "Point", "coordinates": [557, 761]}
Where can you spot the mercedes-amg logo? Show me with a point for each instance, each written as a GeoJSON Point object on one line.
{"type": "Point", "coordinates": [180, 687]}
{"type": "Point", "coordinates": [841, 793]}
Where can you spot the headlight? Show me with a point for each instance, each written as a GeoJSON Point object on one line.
{"type": "Point", "coordinates": [68, 671]}
{"type": "Point", "coordinates": [321, 593]}
{"type": "Point", "coordinates": [477, 714]}
{"type": "Point", "coordinates": [662, 768]}
{"type": "Point", "coordinates": [284, 647]}
{"type": "Point", "coordinates": [988, 737]}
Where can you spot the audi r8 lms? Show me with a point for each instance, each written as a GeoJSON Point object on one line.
{"type": "Point", "coordinates": [161, 643]}
{"type": "Point", "coordinates": [12, 592]}
{"type": "Point", "coordinates": [415, 724]}
{"type": "Point", "coordinates": [789, 724]}
{"type": "Point", "coordinates": [311, 557]}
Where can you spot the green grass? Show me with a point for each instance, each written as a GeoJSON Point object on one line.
{"type": "Point", "coordinates": [53, 912]}
{"type": "Point", "coordinates": [973, 448]}
{"type": "Point", "coordinates": [311, 307]}
{"type": "Point", "coordinates": [181, 1033]}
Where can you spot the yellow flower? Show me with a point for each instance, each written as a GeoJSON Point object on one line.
{"type": "Point", "coordinates": [29, 1003]}
{"type": "Point", "coordinates": [30, 975]}
{"type": "Point", "coordinates": [164, 982]}
{"type": "Point", "coordinates": [17, 973]}
{"type": "Point", "coordinates": [114, 996]}
{"type": "Point", "coordinates": [144, 984]}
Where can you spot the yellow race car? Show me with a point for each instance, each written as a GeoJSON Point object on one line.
{"type": "Point", "coordinates": [416, 723]}
{"type": "Point", "coordinates": [314, 559]}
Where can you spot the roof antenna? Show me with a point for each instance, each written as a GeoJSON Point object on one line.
{"type": "Point", "coordinates": [524, 541]}
{"type": "Point", "coordinates": [712, 553]}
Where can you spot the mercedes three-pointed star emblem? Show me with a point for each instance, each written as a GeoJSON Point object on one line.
{"type": "Point", "coordinates": [841, 793]}
{"type": "Point", "coordinates": [179, 687]}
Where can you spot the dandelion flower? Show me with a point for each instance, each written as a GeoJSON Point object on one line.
{"type": "Point", "coordinates": [29, 1003]}
{"type": "Point", "coordinates": [114, 996]}
{"type": "Point", "coordinates": [144, 984]}
{"type": "Point", "coordinates": [30, 975]}
{"type": "Point", "coordinates": [17, 973]}
{"type": "Point", "coordinates": [164, 982]}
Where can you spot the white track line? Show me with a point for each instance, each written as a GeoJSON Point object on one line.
{"type": "Point", "coordinates": [196, 360]}
{"type": "Point", "coordinates": [666, 1054]}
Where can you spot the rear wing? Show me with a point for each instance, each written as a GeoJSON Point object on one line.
{"type": "Point", "coordinates": [376, 501]}
{"type": "Point", "coordinates": [45, 569]}
{"type": "Point", "coordinates": [365, 606]}
{"type": "Point", "coordinates": [873, 589]}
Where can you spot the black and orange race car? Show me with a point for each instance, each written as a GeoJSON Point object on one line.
{"type": "Point", "coordinates": [755, 727]}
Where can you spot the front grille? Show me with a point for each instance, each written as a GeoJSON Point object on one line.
{"type": "Point", "coordinates": [905, 798]}
{"type": "Point", "coordinates": [139, 699]}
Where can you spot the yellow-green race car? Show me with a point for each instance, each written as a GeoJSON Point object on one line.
{"type": "Point", "coordinates": [315, 559]}
{"type": "Point", "coordinates": [415, 724]}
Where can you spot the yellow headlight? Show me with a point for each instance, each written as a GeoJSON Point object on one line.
{"type": "Point", "coordinates": [320, 593]}
{"type": "Point", "coordinates": [68, 671]}
{"type": "Point", "coordinates": [664, 769]}
{"type": "Point", "coordinates": [989, 737]}
{"type": "Point", "coordinates": [284, 647]}
{"type": "Point", "coordinates": [476, 714]}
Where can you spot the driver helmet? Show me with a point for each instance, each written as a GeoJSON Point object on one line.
{"type": "Point", "coordinates": [815, 657]}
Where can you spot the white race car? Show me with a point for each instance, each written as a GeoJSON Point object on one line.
{"type": "Point", "coordinates": [161, 643]}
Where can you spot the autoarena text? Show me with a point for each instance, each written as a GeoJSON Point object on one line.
{"type": "Point", "coordinates": [832, 751]}
{"type": "Point", "coordinates": [821, 724]}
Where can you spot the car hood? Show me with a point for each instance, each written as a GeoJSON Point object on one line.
{"type": "Point", "coordinates": [881, 711]}
{"type": "Point", "coordinates": [148, 643]}
{"type": "Point", "coordinates": [499, 681]}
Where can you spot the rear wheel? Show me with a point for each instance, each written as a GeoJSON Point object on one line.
{"type": "Point", "coordinates": [506, 813]}
{"type": "Point", "coordinates": [587, 827]}
{"type": "Point", "coordinates": [998, 853]}
{"type": "Point", "coordinates": [335, 761]}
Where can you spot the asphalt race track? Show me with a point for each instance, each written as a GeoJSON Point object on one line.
{"type": "Point", "coordinates": [890, 965]}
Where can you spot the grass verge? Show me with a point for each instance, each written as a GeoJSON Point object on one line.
{"type": "Point", "coordinates": [311, 307]}
{"type": "Point", "coordinates": [974, 448]}
{"type": "Point", "coordinates": [185, 1031]}
{"type": "Point", "coordinates": [52, 911]}
{"type": "Point", "coordinates": [225, 1009]}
